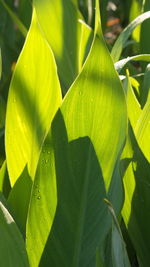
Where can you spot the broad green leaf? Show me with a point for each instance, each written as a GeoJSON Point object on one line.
{"type": "Point", "coordinates": [43, 203]}
{"type": "Point", "coordinates": [139, 120]}
{"type": "Point", "coordinates": [75, 2]}
{"type": "Point", "coordinates": [34, 97]}
{"type": "Point", "coordinates": [118, 249]}
{"type": "Point", "coordinates": [25, 12]}
{"type": "Point", "coordinates": [123, 37]}
{"type": "Point", "coordinates": [134, 109]}
{"type": "Point", "coordinates": [142, 130]}
{"type": "Point", "coordinates": [145, 92]}
{"type": "Point", "coordinates": [104, 13]}
{"type": "Point", "coordinates": [15, 19]}
{"type": "Point", "coordinates": [119, 253]}
{"type": "Point", "coordinates": [91, 99]}
{"type": "Point", "coordinates": [92, 107]}
{"type": "Point", "coordinates": [2, 112]}
{"type": "Point", "coordinates": [144, 40]}
{"type": "Point", "coordinates": [59, 21]}
{"type": "Point", "coordinates": [4, 180]}
{"type": "Point", "coordinates": [136, 183]}
{"type": "Point", "coordinates": [19, 198]}
{"type": "Point", "coordinates": [137, 191]}
{"type": "Point", "coordinates": [80, 208]}
{"type": "Point", "coordinates": [121, 63]}
{"type": "Point", "coordinates": [135, 10]}
{"type": "Point", "coordinates": [113, 250]}
{"type": "Point", "coordinates": [116, 182]}
{"type": "Point", "coordinates": [86, 39]}
{"type": "Point", "coordinates": [95, 107]}
{"type": "Point", "coordinates": [12, 246]}
{"type": "Point", "coordinates": [2, 176]}
{"type": "Point", "coordinates": [0, 64]}
{"type": "Point", "coordinates": [99, 260]}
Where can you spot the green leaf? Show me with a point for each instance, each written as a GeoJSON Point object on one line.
{"type": "Point", "coordinates": [32, 103]}
{"type": "Point", "coordinates": [15, 19]}
{"type": "Point", "coordinates": [137, 191]}
{"type": "Point", "coordinates": [4, 180]}
{"type": "Point", "coordinates": [19, 198]}
{"type": "Point", "coordinates": [94, 105]}
{"type": "Point", "coordinates": [123, 37]}
{"type": "Point", "coordinates": [139, 119]}
{"type": "Point", "coordinates": [134, 109]}
{"type": "Point", "coordinates": [118, 248]}
{"type": "Point", "coordinates": [142, 130]}
{"type": "Point", "coordinates": [135, 10]}
{"type": "Point", "coordinates": [12, 246]}
{"type": "Point", "coordinates": [144, 40]}
{"type": "Point", "coordinates": [59, 21]}
{"type": "Point", "coordinates": [136, 171]}
{"type": "Point", "coordinates": [0, 64]}
{"type": "Point", "coordinates": [93, 108]}
{"type": "Point", "coordinates": [2, 112]}
{"type": "Point", "coordinates": [25, 12]}
{"type": "Point", "coordinates": [86, 39]}
{"type": "Point", "coordinates": [80, 208]}
{"type": "Point", "coordinates": [145, 92]}
{"type": "Point", "coordinates": [121, 63]}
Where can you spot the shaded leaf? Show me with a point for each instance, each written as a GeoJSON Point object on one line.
{"type": "Point", "coordinates": [123, 37]}
{"type": "Point", "coordinates": [12, 246]}
{"type": "Point", "coordinates": [118, 248]}
{"type": "Point", "coordinates": [145, 86]}
{"type": "Point", "coordinates": [15, 19]}
{"type": "Point", "coordinates": [121, 63]}
{"type": "Point", "coordinates": [4, 180]}
{"type": "Point", "coordinates": [19, 199]}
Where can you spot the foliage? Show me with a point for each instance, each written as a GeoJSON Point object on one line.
{"type": "Point", "coordinates": [74, 133]}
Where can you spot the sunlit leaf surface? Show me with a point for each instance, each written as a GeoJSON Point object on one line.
{"type": "Point", "coordinates": [34, 96]}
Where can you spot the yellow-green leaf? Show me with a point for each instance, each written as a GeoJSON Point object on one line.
{"type": "Point", "coordinates": [34, 97]}
{"type": "Point", "coordinates": [94, 108]}
{"type": "Point", "coordinates": [59, 22]}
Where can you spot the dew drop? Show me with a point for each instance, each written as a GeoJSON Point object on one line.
{"type": "Point", "coordinates": [38, 197]}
